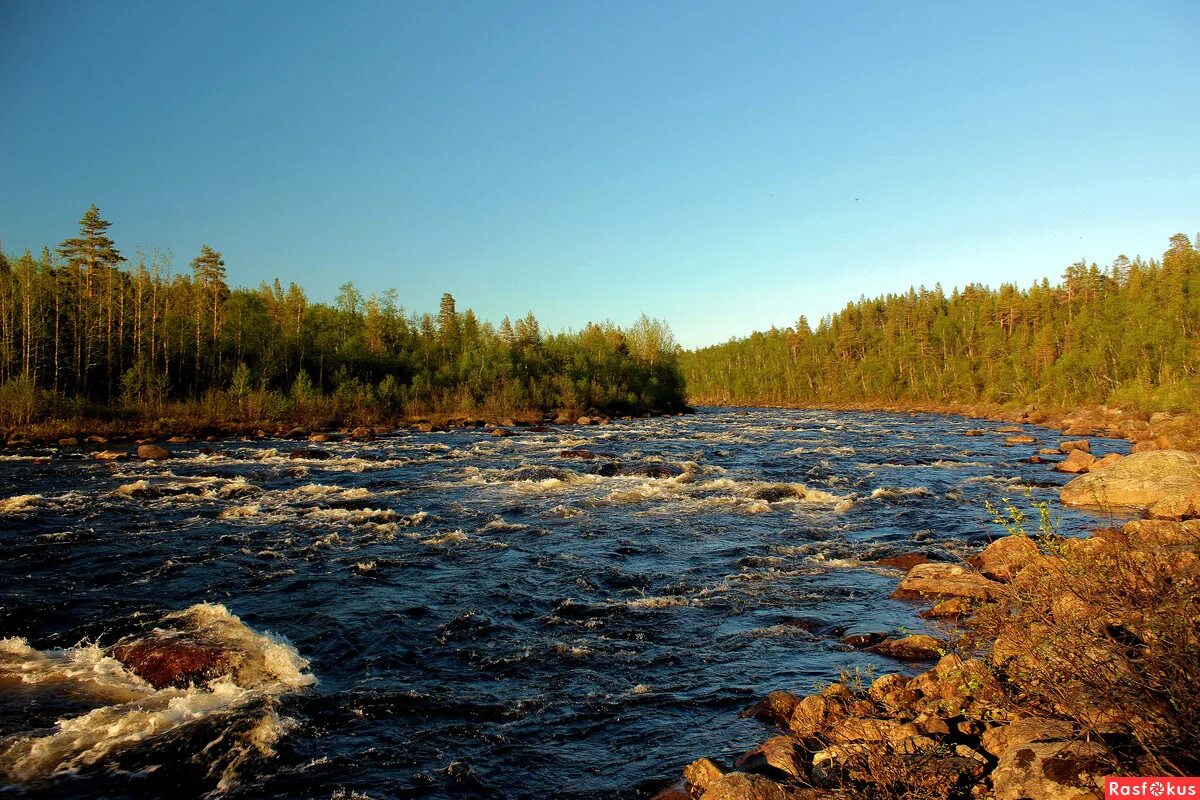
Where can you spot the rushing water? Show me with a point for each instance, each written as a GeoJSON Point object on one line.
{"type": "Point", "coordinates": [461, 615]}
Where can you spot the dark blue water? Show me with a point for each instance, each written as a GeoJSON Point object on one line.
{"type": "Point", "coordinates": [483, 617]}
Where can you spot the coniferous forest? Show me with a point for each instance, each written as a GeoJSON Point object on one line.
{"type": "Point", "coordinates": [88, 330]}
{"type": "Point", "coordinates": [1126, 335]}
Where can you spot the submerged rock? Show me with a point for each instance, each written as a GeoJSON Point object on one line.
{"type": "Point", "coordinates": [905, 561]}
{"type": "Point", "coordinates": [177, 663]}
{"type": "Point", "coordinates": [1136, 482]}
{"type": "Point", "coordinates": [310, 453]}
{"type": "Point", "coordinates": [655, 471]}
{"type": "Point", "coordinates": [152, 452]}
{"type": "Point", "coordinates": [782, 491]}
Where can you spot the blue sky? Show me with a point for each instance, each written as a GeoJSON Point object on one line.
{"type": "Point", "coordinates": [723, 166]}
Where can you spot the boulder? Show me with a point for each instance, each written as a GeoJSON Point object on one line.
{"type": "Point", "coordinates": [1004, 558]}
{"type": "Point", "coordinates": [587, 421]}
{"type": "Point", "coordinates": [152, 452]}
{"type": "Point", "coordinates": [1077, 461]}
{"type": "Point", "coordinates": [95, 439]}
{"type": "Point", "coordinates": [954, 608]}
{"type": "Point", "coordinates": [110, 455]}
{"type": "Point", "coordinates": [1176, 507]}
{"type": "Point", "coordinates": [1105, 462]}
{"type": "Point", "coordinates": [856, 729]}
{"type": "Point", "coordinates": [177, 663]}
{"type": "Point", "coordinates": [1009, 429]}
{"type": "Point", "coordinates": [362, 434]}
{"type": "Point", "coordinates": [1136, 482]}
{"type": "Point", "coordinates": [813, 715]}
{"type": "Point", "coordinates": [743, 786]}
{"type": "Point", "coordinates": [1078, 444]}
{"type": "Point", "coordinates": [940, 580]}
{"type": "Point", "coordinates": [779, 753]}
{"type": "Point", "coordinates": [702, 773]}
{"type": "Point", "coordinates": [581, 454]}
{"type": "Point", "coordinates": [775, 709]}
{"type": "Point", "coordinates": [650, 471]}
{"type": "Point", "coordinates": [69, 441]}
{"type": "Point", "coordinates": [501, 432]}
{"type": "Point", "coordinates": [320, 438]}
{"type": "Point", "coordinates": [1051, 771]}
{"type": "Point", "coordinates": [1024, 731]}
{"type": "Point", "coordinates": [1020, 439]}
{"type": "Point", "coordinates": [886, 684]}
{"type": "Point", "coordinates": [310, 453]}
{"type": "Point", "coordinates": [917, 647]}
{"type": "Point", "coordinates": [974, 432]}
{"type": "Point", "coordinates": [777, 492]}
{"type": "Point", "coordinates": [905, 561]}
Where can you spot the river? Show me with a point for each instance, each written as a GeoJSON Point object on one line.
{"type": "Point", "coordinates": [462, 615]}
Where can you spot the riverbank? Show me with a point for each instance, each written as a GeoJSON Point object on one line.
{"type": "Point", "coordinates": [1059, 661]}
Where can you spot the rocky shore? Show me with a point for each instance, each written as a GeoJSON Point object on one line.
{"type": "Point", "coordinates": [1062, 661]}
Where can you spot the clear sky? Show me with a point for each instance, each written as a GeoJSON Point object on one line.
{"type": "Point", "coordinates": [724, 166]}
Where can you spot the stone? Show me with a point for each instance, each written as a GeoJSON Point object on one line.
{"type": "Point", "coordinates": [1105, 462]}
{"type": "Point", "coordinates": [905, 562]}
{"type": "Point", "coordinates": [1051, 771]}
{"type": "Point", "coordinates": [1009, 429]}
{"type": "Point", "coordinates": [775, 709]}
{"type": "Point", "coordinates": [778, 753]}
{"type": "Point", "coordinates": [1024, 731]}
{"type": "Point", "coordinates": [1078, 444]}
{"type": "Point", "coordinates": [501, 433]}
{"type": "Point", "coordinates": [955, 608]}
{"type": "Point", "coordinates": [939, 580]}
{"type": "Point", "coordinates": [69, 441]}
{"type": "Point", "coordinates": [885, 684]}
{"type": "Point", "coordinates": [320, 438]}
{"type": "Point", "coordinates": [1176, 507]}
{"type": "Point", "coordinates": [362, 434]}
{"type": "Point", "coordinates": [1021, 439]}
{"type": "Point", "coordinates": [152, 452]}
{"type": "Point", "coordinates": [310, 453]}
{"type": "Point", "coordinates": [177, 663]}
{"type": "Point", "coordinates": [974, 432]}
{"type": "Point", "coordinates": [110, 455]}
{"type": "Point", "coordinates": [813, 715]}
{"type": "Point", "coordinates": [583, 455]}
{"type": "Point", "coordinates": [655, 471]}
{"type": "Point", "coordinates": [743, 786]}
{"type": "Point", "coordinates": [702, 773]}
{"type": "Point", "coordinates": [1004, 558]}
{"type": "Point", "coordinates": [917, 647]}
{"type": "Point", "coordinates": [1137, 481]}
{"type": "Point", "coordinates": [856, 729]}
{"type": "Point", "coordinates": [1076, 462]}
{"type": "Point", "coordinates": [587, 421]}
{"type": "Point", "coordinates": [94, 439]}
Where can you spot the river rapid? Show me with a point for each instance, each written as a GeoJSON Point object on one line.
{"type": "Point", "coordinates": [462, 615]}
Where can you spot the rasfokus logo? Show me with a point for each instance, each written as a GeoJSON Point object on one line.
{"type": "Point", "coordinates": [1151, 788]}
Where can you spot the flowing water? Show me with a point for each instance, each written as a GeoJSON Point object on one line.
{"type": "Point", "coordinates": [461, 615]}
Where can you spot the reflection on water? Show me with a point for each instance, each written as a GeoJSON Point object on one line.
{"type": "Point", "coordinates": [582, 610]}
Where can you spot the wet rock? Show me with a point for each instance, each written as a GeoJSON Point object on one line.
{"type": "Point", "coordinates": [773, 494]}
{"type": "Point", "coordinates": [1024, 731]}
{"type": "Point", "coordinates": [702, 773]}
{"type": "Point", "coordinates": [538, 474]}
{"type": "Point", "coordinates": [1051, 771]}
{"type": "Point", "coordinates": [1009, 429]}
{"type": "Point", "coordinates": [917, 647]}
{"type": "Point", "coordinates": [362, 434]}
{"type": "Point", "coordinates": [581, 454]}
{"type": "Point", "coordinates": [501, 432]}
{"type": "Point", "coordinates": [813, 715]}
{"type": "Point", "coordinates": [1136, 482]}
{"type": "Point", "coordinates": [174, 663]}
{"type": "Point", "coordinates": [1004, 558]}
{"type": "Point", "coordinates": [974, 432]}
{"type": "Point", "coordinates": [1077, 461]}
{"type": "Point", "coordinates": [1072, 446]}
{"type": "Point", "coordinates": [110, 455]}
{"type": "Point", "coordinates": [1049, 451]}
{"type": "Point", "coordinates": [1105, 462]}
{"type": "Point", "coordinates": [774, 709]}
{"type": "Point", "coordinates": [905, 562]}
{"type": "Point", "coordinates": [886, 684]}
{"type": "Point", "coordinates": [152, 452]}
{"type": "Point", "coordinates": [320, 438]}
{"type": "Point", "coordinates": [1176, 507]}
{"type": "Point", "coordinates": [608, 470]}
{"type": "Point", "coordinates": [179, 440]}
{"type": "Point", "coordinates": [296, 433]}
{"type": "Point", "coordinates": [69, 441]}
{"type": "Point", "coordinates": [955, 608]}
{"type": "Point", "coordinates": [310, 453]}
{"type": "Point", "coordinates": [1021, 439]}
{"type": "Point", "coordinates": [861, 640]}
{"type": "Point", "coordinates": [655, 471]}
{"type": "Point", "coordinates": [587, 421]}
{"type": "Point", "coordinates": [938, 580]}
{"type": "Point", "coordinates": [94, 439]}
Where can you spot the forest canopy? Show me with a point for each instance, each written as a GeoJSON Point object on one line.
{"type": "Point", "coordinates": [1127, 335]}
{"type": "Point", "coordinates": [85, 327]}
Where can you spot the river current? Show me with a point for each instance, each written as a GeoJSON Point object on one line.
{"type": "Point", "coordinates": [462, 615]}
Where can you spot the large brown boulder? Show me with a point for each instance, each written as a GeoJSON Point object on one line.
{"type": "Point", "coordinates": [1176, 507]}
{"type": "Point", "coordinates": [176, 663]}
{"type": "Point", "coordinates": [1136, 482]}
{"type": "Point", "coordinates": [938, 580]}
{"type": "Point", "coordinates": [917, 647]}
{"type": "Point", "coordinates": [1004, 558]}
{"type": "Point", "coordinates": [1024, 731]}
{"type": "Point", "coordinates": [152, 452]}
{"type": "Point", "coordinates": [775, 709]}
{"type": "Point", "coordinates": [1078, 444]}
{"type": "Point", "coordinates": [1051, 771]}
{"type": "Point", "coordinates": [743, 786]}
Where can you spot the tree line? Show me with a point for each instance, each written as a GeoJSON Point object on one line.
{"type": "Point", "coordinates": [1126, 335]}
{"type": "Point", "coordinates": [84, 329]}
